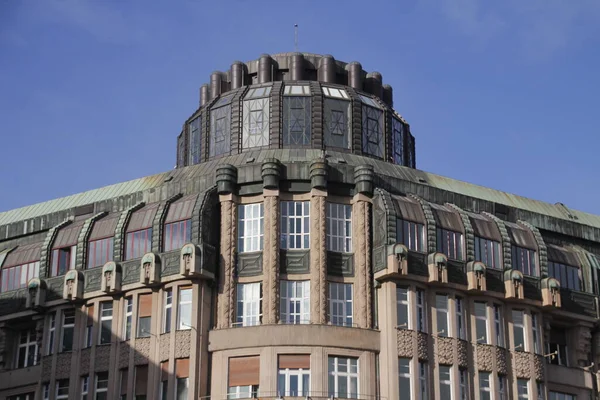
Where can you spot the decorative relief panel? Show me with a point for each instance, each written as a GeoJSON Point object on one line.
{"type": "Point", "coordinates": [249, 264]}
{"type": "Point", "coordinates": [54, 288]}
{"type": "Point", "coordinates": [183, 343]}
{"type": "Point", "coordinates": [372, 131]}
{"type": "Point", "coordinates": [102, 358]}
{"type": "Point", "coordinates": [92, 279]}
{"type": "Point", "coordinates": [63, 365]}
{"type": "Point", "coordinates": [170, 263]}
{"type": "Point", "coordinates": [131, 271]}
{"type": "Point", "coordinates": [340, 264]}
{"type": "Point", "coordinates": [84, 361]}
{"type": "Point", "coordinates": [538, 367]}
{"type": "Point", "coordinates": [295, 262]}
{"type": "Point", "coordinates": [405, 342]}
{"type": "Point", "coordinates": [124, 349]}
{"type": "Point", "coordinates": [522, 364]}
{"type": "Point", "coordinates": [463, 353]}
{"type": "Point", "coordinates": [165, 346]}
{"type": "Point", "coordinates": [485, 357]}
{"type": "Point", "coordinates": [255, 132]}
{"type": "Point", "coordinates": [142, 351]}
{"type": "Point", "coordinates": [501, 365]}
{"type": "Point", "coordinates": [422, 345]}
{"type": "Point", "coordinates": [445, 350]}
{"type": "Point", "coordinates": [46, 368]}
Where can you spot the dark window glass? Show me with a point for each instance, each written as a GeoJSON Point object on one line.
{"type": "Point", "coordinates": [138, 243]}
{"type": "Point", "coordinates": [567, 275]}
{"type": "Point", "coordinates": [557, 344]}
{"type": "Point", "coordinates": [524, 260]}
{"type": "Point", "coordinates": [372, 131]}
{"type": "Point", "coordinates": [220, 131]}
{"type": "Point", "coordinates": [61, 261]}
{"type": "Point", "coordinates": [106, 313]}
{"type": "Point", "coordinates": [488, 252]}
{"type": "Point", "coordinates": [195, 142]}
{"type": "Point", "coordinates": [68, 330]}
{"type": "Point", "coordinates": [17, 277]}
{"type": "Point", "coordinates": [100, 252]}
{"type": "Point", "coordinates": [144, 326]}
{"type": "Point", "coordinates": [411, 234]}
{"type": "Point", "coordinates": [296, 121]}
{"type": "Point", "coordinates": [450, 243]}
{"type": "Point", "coordinates": [398, 141]}
{"type": "Point", "coordinates": [336, 114]}
{"type": "Point", "coordinates": [177, 234]}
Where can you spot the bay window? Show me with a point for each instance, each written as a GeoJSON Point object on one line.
{"type": "Point", "coordinates": [295, 225]}
{"type": "Point", "coordinates": [340, 304]}
{"type": "Point", "coordinates": [339, 227]}
{"type": "Point", "coordinates": [249, 304]}
{"type": "Point", "coordinates": [481, 322]}
{"type": "Point", "coordinates": [250, 227]}
{"type": "Point", "coordinates": [343, 377]}
{"type": "Point", "coordinates": [295, 302]}
{"type": "Point", "coordinates": [144, 316]}
{"type": "Point", "coordinates": [67, 331]}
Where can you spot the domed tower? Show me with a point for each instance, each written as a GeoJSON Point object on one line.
{"type": "Point", "coordinates": [296, 100]}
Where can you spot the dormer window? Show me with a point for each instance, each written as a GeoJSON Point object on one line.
{"type": "Point", "coordinates": [138, 238]}
{"type": "Point", "coordinates": [524, 260]}
{"type": "Point", "coordinates": [64, 249]}
{"type": "Point", "coordinates": [450, 243]}
{"type": "Point", "coordinates": [568, 275]}
{"type": "Point", "coordinates": [20, 266]}
{"type": "Point", "coordinates": [178, 223]}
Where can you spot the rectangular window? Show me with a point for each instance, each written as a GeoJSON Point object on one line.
{"type": "Point", "coordinates": [184, 314]}
{"type": "Point", "coordinates": [502, 388]}
{"type": "Point", "coordinates": [168, 309]}
{"type": "Point", "coordinates": [182, 370]}
{"type": "Point", "coordinates": [106, 313]}
{"type": "Point", "coordinates": [537, 346]}
{"type": "Point", "coordinates": [51, 331]}
{"type": "Point", "coordinates": [402, 304]}
{"type": "Point", "coordinates": [441, 310]}
{"type": "Point", "coordinates": [46, 391]}
{"type": "Point", "coordinates": [63, 260]}
{"type": "Point", "coordinates": [343, 377]}
{"type": "Point", "coordinates": [339, 227]}
{"type": "Point", "coordinates": [183, 385]}
{"type": "Point", "coordinates": [340, 304]}
{"type": "Point", "coordinates": [567, 275]}
{"type": "Point", "coordinates": [243, 377]}
{"type": "Point", "coordinates": [460, 319]}
{"type": "Point", "coordinates": [62, 389]}
{"type": "Point", "coordinates": [144, 316]}
{"type": "Point", "coordinates": [488, 252]}
{"type": "Point", "coordinates": [89, 325]}
{"type": "Point", "coordinates": [138, 243]}
{"type": "Point", "coordinates": [481, 328]}
{"type": "Point", "coordinates": [68, 329]}
{"type": "Point", "coordinates": [524, 260]}
{"type": "Point", "coordinates": [499, 325]}
{"type": "Point", "coordinates": [295, 302]}
{"type": "Point", "coordinates": [164, 381]}
{"type": "Point", "coordinates": [243, 392]}
{"type": "Point", "coordinates": [128, 318]}
{"type": "Point", "coordinates": [337, 123]}
{"type": "Point", "coordinates": [523, 389]}
{"type": "Point", "coordinates": [404, 386]}
{"type": "Point", "coordinates": [294, 375]}
{"type": "Point", "coordinates": [101, 385]}
{"type": "Point", "coordinates": [445, 373]}
{"type": "Point", "coordinates": [518, 330]}
{"type": "Point", "coordinates": [464, 383]}
{"type": "Point", "coordinates": [561, 396]}
{"type": "Point", "coordinates": [100, 252]}
{"type": "Point", "coordinates": [23, 396]}
{"type": "Point", "coordinates": [423, 381]}
{"type": "Point", "coordinates": [421, 311]}
{"type": "Point", "coordinates": [124, 382]}
{"type": "Point", "coordinates": [85, 387]}
{"type": "Point", "coordinates": [295, 225]}
{"type": "Point", "coordinates": [177, 234]}
{"type": "Point", "coordinates": [485, 389]}
{"type": "Point", "coordinates": [141, 382]}
{"type": "Point", "coordinates": [250, 227]}
{"type": "Point", "coordinates": [249, 304]}
{"type": "Point", "coordinates": [450, 243]}
{"type": "Point", "coordinates": [541, 390]}
{"type": "Point", "coordinates": [28, 349]}
{"type": "Point", "coordinates": [18, 277]}
{"type": "Point", "coordinates": [411, 234]}
{"type": "Point", "coordinates": [557, 344]}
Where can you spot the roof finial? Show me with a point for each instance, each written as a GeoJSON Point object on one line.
{"type": "Point", "coordinates": [295, 37]}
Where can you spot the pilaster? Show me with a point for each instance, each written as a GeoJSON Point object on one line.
{"type": "Point", "coordinates": [318, 250]}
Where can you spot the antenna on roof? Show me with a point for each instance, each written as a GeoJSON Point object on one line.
{"type": "Point", "coordinates": [295, 37]}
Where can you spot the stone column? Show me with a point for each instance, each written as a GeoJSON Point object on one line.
{"type": "Point", "coordinates": [318, 249]}
{"type": "Point", "coordinates": [226, 188]}
{"type": "Point", "coordinates": [361, 227]}
{"type": "Point", "coordinates": [270, 174]}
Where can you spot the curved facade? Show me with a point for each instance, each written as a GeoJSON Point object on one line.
{"type": "Point", "coordinates": [317, 270]}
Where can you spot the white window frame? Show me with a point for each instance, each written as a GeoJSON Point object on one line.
{"type": "Point", "coordinates": [250, 227]}
{"type": "Point", "coordinates": [168, 310]}
{"type": "Point", "coordinates": [128, 320]}
{"type": "Point", "coordinates": [187, 304]}
{"type": "Point", "coordinates": [521, 326]}
{"type": "Point", "coordinates": [411, 234]}
{"type": "Point", "coordinates": [104, 319]}
{"type": "Point", "coordinates": [85, 387]}
{"type": "Point", "coordinates": [51, 333]}
{"type": "Point", "coordinates": [70, 313]}
{"type": "Point", "coordinates": [502, 387]}
{"type": "Point", "coordinates": [449, 382]}
{"type": "Point", "coordinates": [485, 389]}
{"type": "Point", "coordinates": [482, 318]}
{"type": "Point", "coordinates": [537, 346]}
{"type": "Point", "coordinates": [239, 392]}
{"type": "Point", "coordinates": [58, 387]}
{"type": "Point", "coordinates": [301, 314]}
{"type": "Point", "coordinates": [499, 324]}
{"type": "Point", "coordinates": [461, 326]}
{"type": "Point", "coordinates": [405, 375]}
{"type": "Point", "coordinates": [335, 93]}
{"type": "Point", "coordinates": [349, 375]}
{"type": "Point", "coordinates": [463, 382]}
{"type": "Point", "coordinates": [421, 310]}
{"type": "Point", "coordinates": [339, 227]}
{"type": "Point", "coordinates": [249, 296]}
{"type": "Point", "coordinates": [523, 396]}
{"type": "Point", "coordinates": [299, 222]}
{"type": "Point", "coordinates": [287, 373]}
{"type": "Point", "coordinates": [89, 328]}
{"type": "Point", "coordinates": [341, 302]}
{"type": "Point", "coordinates": [423, 381]}
{"type": "Point", "coordinates": [450, 243]}
{"type": "Point", "coordinates": [46, 391]}
{"type": "Point", "coordinates": [441, 315]}
{"type": "Point", "coordinates": [98, 388]}
{"type": "Point", "coordinates": [31, 340]}
{"type": "Point", "coordinates": [404, 303]}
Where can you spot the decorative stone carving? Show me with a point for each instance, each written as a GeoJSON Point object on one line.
{"type": "Point", "coordinates": [318, 174]}
{"type": "Point", "coordinates": [63, 366]}
{"type": "Point", "coordinates": [318, 258]}
{"type": "Point", "coordinates": [437, 264]}
{"type": "Point", "coordinates": [36, 294]}
{"type": "Point", "coordinates": [165, 346]}
{"type": "Point", "coordinates": [513, 284]}
{"type": "Point", "coordinates": [225, 299]}
{"type": "Point", "coordinates": [501, 365]}
{"type": "Point", "coordinates": [485, 357]}
{"type": "Point", "coordinates": [46, 368]}
{"type": "Point", "coordinates": [550, 292]}
{"type": "Point", "coordinates": [73, 288]}
{"type": "Point", "coordinates": [363, 179]}
{"type": "Point", "coordinates": [84, 361]}
{"type": "Point", "coordinates": [405, 342]}
{"type": "Point", "coordinates": [583, 349]}
{"type": "Point", "coordinates": [445, 350]}
{"type": "Point", "coordinates": [142, 351]}
{"type": "Point", "coordinates": [476, 278]}
{"type": "Point", "coordinates": [270, 171]}
{"type": "Point", "coordinates": [249, 264]}
{"type": "Point", "coordinates": [190, 262]}
{"type": "Point", "coordinates": [150, 269]}
{"type": "Point", "coordinates": [226, 177]}
{"type": "Point", "coordinates": [111, 277]}
{"type": "Point", "coordinates": [183, 343]}
{"type": "Point", "coordinates": [361, 234]}
{"type": "Point", "coordinates": [463, 353]}
{"type": "Point", "coordinates": [522, 364]}
{"type": "Point", "coordinates": [92, 279]}
{"type": "Point", "coordinates": [397, 259]}
{"type": "Point", "coordinates": [271, 257]}
{"type": "Point", "coordinates": [102, 359]}
{"type": "Point", "coordinates": [538, 367]}
{"type": "Point", "coordinates": [422, 346]}
{"type": "Point", "coordinates": [294, 261]}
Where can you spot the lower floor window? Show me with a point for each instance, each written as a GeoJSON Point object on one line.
{"type": "Point", "coordinates": [343, 377]}
{"type": "Point", "coordinates": [561, 396]}
{"type": "Point", "coordinates": [293, 382]}
{"type": "Point", "coordinates": [242, 392]}
{"type": "Point", "coordinates": [62, 389]}
{"type": "Point", "coordinates": [404, 378]}
{"type": "Point", "coordinates": [25, 396]}
{"type": "Point", "coordinates": [523, 389]}
{"type": "Point", "coordinates": [485, 388]}
{"type": "Point", "coordinates": [445, 372]}
{"type": "Point", "coordinates": [102, 386]}
{"type": "Point", "coordinates": [182, 388]}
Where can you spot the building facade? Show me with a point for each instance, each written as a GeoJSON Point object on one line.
{"type": "Point", "coordinates": [296, 251]}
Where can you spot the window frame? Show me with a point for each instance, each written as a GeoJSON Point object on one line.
{"type": "Point", "coordinates": [523, 396]}
{"type": "Point", "coordinates": [65, 327]}
{"type": "Point", "coordinates": [569, 276]}
{"type": "Point", "coordinates": [405, 376]}
{"type": "Point", "coordinates": [339, 227]}
{"type": "Point", "coordinates": [499, 324]}
{"type": "Point", "coordinates": [168, 310]}
{"type": "Point", "coordinates": [18, 276]}
{"type": "Point", "coordinates": [30, 341]}
{"type": "Point", "coordinates": [450, 243]}
{"type": "Point", "coordinates": [421, 310]}
{"type": "Point", "coordinates": [486, 338]}
{"type": "Point", "coordinates": [461, 326]}
{"type": "Point", "coordinates": [176, 234]}
{"type": "Point", "coordinates": [492, 250]}
{"type": "Point", "coordinates": [97, 387]}
{"type": "Point", "coordinates": [247, 306]}
{"type": "Point", "coordinates": [423, 380]}
{"type": "Point", "coordinates": [96, 253]}
{"type": "Point", "coordinates": [411, 234]}
{"type": "Point", "coordinates": [335, 374]}
{"type": "Point", "coordinates": [128, 320]}
{"type": "Point", "coordinates": [254, 224]}
{"type": "Point", "coordinates": [181, 326]}
{"type": "Point", "coordinates": [403, 304]}
{"type": "Point", "coordinates": [447, 382]}
{"type": "Point", "coordinates": [290, 240]}
{"type": "Point", "coordinates": [341, 303]}
{"type": "Point", "coordinates": [134, 250]}
{"type": "Point", "coordinates": [51, 334]}
{"type": "Point", "coordinates": [105, 321]}
{"type": "Point", "coordinates": [442, 315]}
{"type": "Point", "coordinates": [519, 326]}
{"type": "Point", "coordinates": [66, 253]}
{"type": "Point", "coordinates": [302, 303]}
{"type": "Point", "coordinates": [286, 374]}
{"type": "Point", "coordinates": [85, 387]}
{"type": "Point", "coordinates": [525, 260]}
{"type": "Point", "coordinates": [59, 387]}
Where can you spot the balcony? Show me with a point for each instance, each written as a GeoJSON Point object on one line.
{"type": "Point", "coordinates": [20, 377]}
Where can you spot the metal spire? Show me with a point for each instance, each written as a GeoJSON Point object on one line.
{"type": "Point", "coordinates": [296, 37]}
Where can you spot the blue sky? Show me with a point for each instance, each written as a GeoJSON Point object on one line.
{"type": "Point", "coordinates": [503, 94]}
